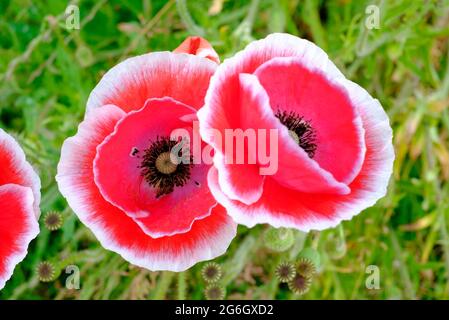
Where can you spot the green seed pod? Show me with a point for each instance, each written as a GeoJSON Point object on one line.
{"type": "Point", "coordinates": [335, 245]}
{"type": "Point", "coordinates": [285, 271]}
{"type": "Point", "coordinates": [214, 292]}
{"type": "Point", "coordinates": [279, 240]}
{"type": "Point", "coordinates": [305, 267]}
{"type": "Point", "coordinates": [312, 255]}
{"type": "Point", "coordinates": [53, 220]}
{"type": "Point", "coordinates": [211, 272]}
{"type": "Point", "coordinates": [84, 56]}
{"type": "Point", "coordinates": [300, 284]}
{"type": "Point", "coordinates": [46, 271]}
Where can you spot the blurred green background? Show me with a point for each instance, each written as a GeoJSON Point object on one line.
{"type": "Point", "coordinates": [47, 72]}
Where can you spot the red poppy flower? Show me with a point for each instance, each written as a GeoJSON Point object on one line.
{"type": "Point", "coordinates": [198, 46]}
{"type": "Point", "coordinates": [117, 174]}
{"type": "Point", "coordinates": [19, 198]}
{"type": "Point", "coordinates": [334, 141]}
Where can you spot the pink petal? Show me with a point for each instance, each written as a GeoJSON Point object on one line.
{"type": "Point", "coordinates": [280, 206]}
{"type": "Point", "coordinates": [132, 82]}
{"type": "Point", "coordinates": [18, 226]}
{"type": "Point", "coordinates": [16, 170]}
{"type": "Point", "coordinates": [118, 174]}
{"type": "Point", "coordinates": [198, 46]}
{"type": "Point", "coordinates": [207, 239]}
{"type": "Point", "coordinates": [293, 86]}
{"type": "Point", "coordinates": [240, 182]}
{"type": "Point", "coordinates": [219, 111]}
{"type": "Point", "coordinates": [295, 169]}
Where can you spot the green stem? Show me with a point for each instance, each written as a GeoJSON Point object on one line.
{"type": "Point", "coordinates": [444, 237]}
{"type": "Point", "coordinates": [252, 13]}
{"type": "Point", "coordinates": [244, 30]}
{"type": "Point", "coordinates": [187, 19]}
{"type": "Point", "coordinates": [298, 246]}
{"type": "Point", "coordinates": [234, 266]}
{"type": "Point", "coordinates": [273, 285]}
{"type": "Point", "coordinates": [182, 286]}
{"type": "Point", "coordinates": [163, 285]}
{"type": "Point", "coordinates": [403, 269]}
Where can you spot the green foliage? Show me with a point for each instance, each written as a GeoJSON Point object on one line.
{"type": "Point", "coordinates": [47, 73]}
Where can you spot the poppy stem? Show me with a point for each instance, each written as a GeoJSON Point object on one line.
{"type": "Point", "coordinates": [163, 284]}
{"type": "Point", "coordinates": [273, 285]}
{"type": "Point", "coordinates": [298, 246]}
{"type": "Point", "coordinates": [187, 19]}
{"type": "Point", "coordinates": [182, 286]}
{"type": "Point", "coordinates": [402, 267]}
{"type": "Point", "coordinates": [244, 31]}
{"type": "Point", "coordinates": [235, 265]}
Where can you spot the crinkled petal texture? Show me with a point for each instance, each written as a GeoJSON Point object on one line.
{"type": "Point", "coordinates": [19, 205]}
{"type": "Point", "coordinates": [181, 76]}
{"type": "Point", "coordinates": [352, 163]}
{"type": "Point", "coordinates": [100, 172]}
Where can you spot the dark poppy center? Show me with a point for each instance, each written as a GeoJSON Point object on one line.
{"type": "Point", "coordinates": [211, 273]}
{"type": "Point", "coordinates": [165, 163]}
{"type": "Point", "coordinates": [162, 168]}
{"type": "Point", "coordinates": [300, 130]}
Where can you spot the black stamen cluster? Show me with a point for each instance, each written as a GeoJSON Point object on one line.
{"type": "Point", "coordinates": [302, 128]}
{"type": "Point", "coordinates": [164, 183]}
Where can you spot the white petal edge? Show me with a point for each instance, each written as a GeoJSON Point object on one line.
{"type": "Point", "coordinates": [144, 65]}
{"type": "Point", "coordinates": [249, 197]}
{"type": "Point", "coordinates": [276, 44]}
{"type": "Point", "coordinates": [76, 197]}
{"type": "Point", "coordinates": [335, 80]}
{"type": "Point", "coordinates": [378, 134]}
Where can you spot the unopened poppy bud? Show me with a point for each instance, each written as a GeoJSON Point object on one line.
{"type": "Point", "coordinates": [311, 255]}
{"type": "Point", "coordinates": [336, 245]}
{"type": "Point", "coordinates": [280, 239]}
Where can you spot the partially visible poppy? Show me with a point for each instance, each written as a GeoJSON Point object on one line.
{"type": "Point", "coordinates": [19, 205]}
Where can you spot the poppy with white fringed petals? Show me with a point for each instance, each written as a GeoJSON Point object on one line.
{"type": "Point", "coordinates": [117, 172]}
{"type": "Point", "coordinates": [334, 142]}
